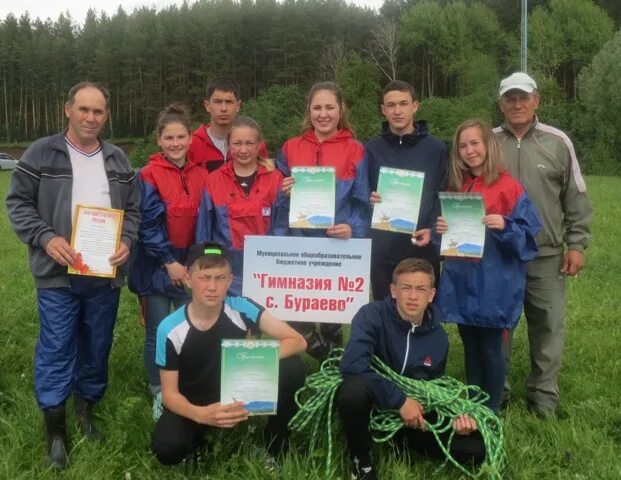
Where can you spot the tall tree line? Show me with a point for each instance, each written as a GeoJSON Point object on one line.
{"type": "Point", "coordinates": [453, 51]}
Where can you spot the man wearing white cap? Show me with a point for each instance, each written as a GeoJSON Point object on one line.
{"type": "Point", "coordinates": [543, 159]}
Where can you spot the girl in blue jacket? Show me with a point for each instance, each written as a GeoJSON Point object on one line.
{"type": "Point", "coordinates": [327, 140]}
{"type": "Point", "coordinates": [485, 297]}
{"type": "Point", "coordinates": [170, 188]}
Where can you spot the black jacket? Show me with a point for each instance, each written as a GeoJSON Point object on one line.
{"type": "Point", "coordinates": [419, 151]}
{"type": "Point", "coordinates": [420, 352]}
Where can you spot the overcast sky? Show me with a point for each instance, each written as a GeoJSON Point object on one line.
{"type": "Point", "coordinates": [78, 8]}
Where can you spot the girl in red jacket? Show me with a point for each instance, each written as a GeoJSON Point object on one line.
{"type": "Point", "coordinates": [170, 188]}
{"type": "Point", "coordinates": [485, 297]}
{"type": "Point", "coordinates": [240, 196]}
{"type": "Point", "coordinates": [328, 140]}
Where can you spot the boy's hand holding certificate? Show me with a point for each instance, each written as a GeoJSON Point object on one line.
{"type": "Point", "coordinates": [95, 238]}
{"type": "Point", "coordinates": [313, 197]}
{"type": "Point", "coordinates": [249, 374]}
{"type": "Point", "coordinates": [463, 213]}
{"type": "Point", "coordinates": [401, 192]}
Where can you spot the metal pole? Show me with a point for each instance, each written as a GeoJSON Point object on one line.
{"type": "Point", "coordinates": [524, 37]}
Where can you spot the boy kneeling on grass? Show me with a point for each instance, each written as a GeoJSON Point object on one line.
{"type": "Point", "coordinates": [188, 352]}
{"type": "Point", "coordinates": [405, 333]}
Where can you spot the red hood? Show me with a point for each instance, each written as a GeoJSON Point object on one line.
{"type": "Point", "coordinates": [159, 160]}
{"type": "Point", "coordinates": [340, 136]}
{"type": "Point", "coordinates": [470, 179]}
{"type": "Point", "coordinates": [201, 131]}
{"type": "Point", "coordinates": [227, 169]}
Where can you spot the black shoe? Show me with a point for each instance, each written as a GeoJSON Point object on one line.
{"type": "Point", "coordinates": [85, 420]}
{"type": "Point", "coordinates": [317, 347]}
{"type": "Point", "coordinates": [332, 334]}
{"type": "Point", "coordinates": [360, 472]}
{"type": "Point", "coordinates": [56, 431]}
{"type": "Point", "coordinates": [541, 412]}
{"type": "Point", "coordinates": [505, 398]}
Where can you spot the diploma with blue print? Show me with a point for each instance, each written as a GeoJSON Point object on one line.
{"type": "Point", "coordinates": [463, 213]}
{"type": "Point", "coordinates": [313, 197]}
{"type": "Point", "coordinates": [249, 374]}
{"type": "Point", "coordinates": [401, 192]}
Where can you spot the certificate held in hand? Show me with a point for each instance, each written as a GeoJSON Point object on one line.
{"type": "Point", "coordinates": [249, 374]}
{"type": "Point", "coordinates": [313, 197]}
{"type": "Point", "coordinates": [463, 213]}
{"type": "Point", "coordinates": [95, 238]}
{"type": "Point", "coordinates": [401, 192]}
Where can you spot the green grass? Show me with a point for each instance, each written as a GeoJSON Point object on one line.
{"type": "Point", "coordinates": [585, 443]}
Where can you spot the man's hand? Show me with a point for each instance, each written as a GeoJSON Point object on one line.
{"type": "Point", "coordinates": [573, 262]}
{"type": "Point", "coordinates": [120, 256]}
{"type": "Point", "coordinates": [497, 222]}
{"type": "Point", "coordinates": [177, 273]}
{"type": "Point", "coordinates": [287, 185]}
{"type": "Point", "coordinates": [222, 416]}
{"type": "Point", "coordinates": [60, 251]}
{"type": "Point", "coordinates": [375, 198]}
{"type": "Point", "coordinates": [342, 231]}
{"type": "Point", "coordinates": [412, 414]}
{"type": "Point", "coordinates": [464, 425]}
{"type": "Point", "coordinates": [421, 238]}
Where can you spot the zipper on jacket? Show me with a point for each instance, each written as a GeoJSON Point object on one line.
{"type": "Point", "coordinates": [469, 189]}
{"type": "Point", "coordinates": [184, 184]}
{"type": "Point", "coordinates": [519, 140]}
{"type": "Point", "coordinates": [407, 348]}
{"type": "Point", "coordinates": [318, 162]}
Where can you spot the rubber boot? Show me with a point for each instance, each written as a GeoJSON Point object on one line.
{"type": "Point", "coordinates": [85, 420]}
{"type": "Point", "coordinates": [316, 345]}
{"type": "Point", "coordinates": [56, 431]}
{"type": "Point", "coordinates": [332, 334]}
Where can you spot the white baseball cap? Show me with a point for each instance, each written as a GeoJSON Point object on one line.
{"type": "Point", "coordinates": [517, 81]}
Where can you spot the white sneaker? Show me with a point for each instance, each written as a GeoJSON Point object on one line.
{"type": "Point", "coordinates": [158, 407]}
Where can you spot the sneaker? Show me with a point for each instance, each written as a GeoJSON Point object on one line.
{"type": "Point", "coordinates": [158, 407]}
{"type": "Point", "coordinates": [270, 464]}
{"type": "Point", "coordinates": [193, 460]}
{"type": "Point", "coordinates": [359, 472]}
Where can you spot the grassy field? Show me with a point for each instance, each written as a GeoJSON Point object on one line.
{"type": "Point", "coordinates": [583, 444]}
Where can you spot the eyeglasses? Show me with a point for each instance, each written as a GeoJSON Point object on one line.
{"type": "Point", "coordinates": [248, 144]}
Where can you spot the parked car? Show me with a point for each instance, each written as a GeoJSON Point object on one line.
{"type": "Point", "coordinates": [7, 162]}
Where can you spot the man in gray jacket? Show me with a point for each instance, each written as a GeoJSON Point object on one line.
{"type": "Point", "coordinates": [543, 159]}
{"type": "Point", "coordinates": [77, 313]}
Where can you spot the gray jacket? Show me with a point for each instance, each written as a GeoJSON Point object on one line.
{"type": "Point", "coordinates": [39, 203]}
{"type": "Point", "coordinates": [544, 162]}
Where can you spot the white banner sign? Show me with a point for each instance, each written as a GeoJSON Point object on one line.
{"type": "Point", "coordinates": [308, 279]}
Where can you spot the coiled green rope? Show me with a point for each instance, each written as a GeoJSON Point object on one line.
{"type": "Point", "coordinates": [447, 397]}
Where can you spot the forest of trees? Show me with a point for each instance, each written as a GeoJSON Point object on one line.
{"type": "Point", "coordinates": [453, 52]}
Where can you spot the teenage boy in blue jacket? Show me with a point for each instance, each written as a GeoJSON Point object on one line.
{"type": "Point", "coordinates": [404, 331]}
{"type": "Point", "coordinates": [406, 144]}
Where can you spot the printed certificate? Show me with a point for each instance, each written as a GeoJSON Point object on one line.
{"type": "Point", "coordinates": [401, 192]}
{"type": "Point", "coordinates": [250, 374]}
{"type": "Point", "coordinates": [95, 237]}
{"type": "Point", "coordinates": [313, 197]}
{"type": "Point", "coordinates": [463, 213]}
